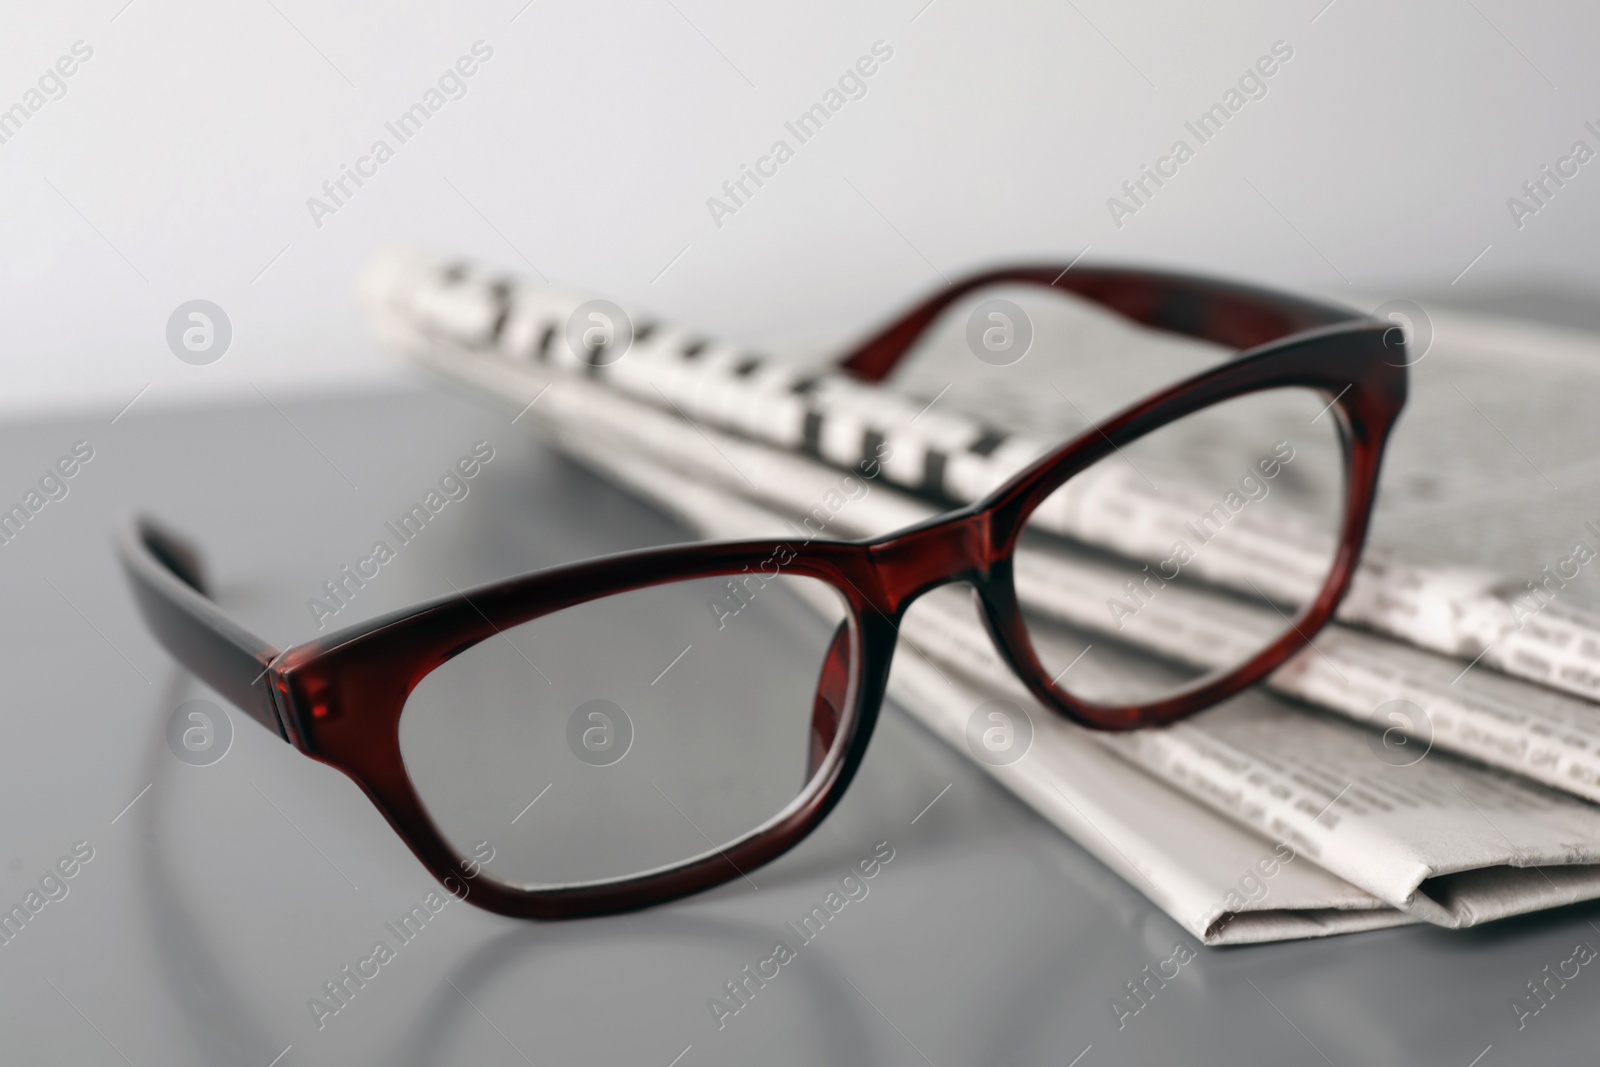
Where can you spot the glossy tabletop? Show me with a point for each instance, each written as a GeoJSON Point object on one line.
{"type": "Point", "coordinates": [219, 898]}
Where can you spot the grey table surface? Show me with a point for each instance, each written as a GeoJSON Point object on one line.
{"type": "Point", "coordinates": [220, 898]}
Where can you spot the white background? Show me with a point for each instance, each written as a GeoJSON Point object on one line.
{"type": "Point", "coordinates": [179, 162]}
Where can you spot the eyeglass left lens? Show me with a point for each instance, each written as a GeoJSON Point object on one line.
{"type": "Point", "coordinates": [634, 732]}
{"type": "Point", "coordinates": [1185, 553]}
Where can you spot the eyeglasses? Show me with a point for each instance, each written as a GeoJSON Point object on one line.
{"type": "Point", "coordinates": [628, 730]}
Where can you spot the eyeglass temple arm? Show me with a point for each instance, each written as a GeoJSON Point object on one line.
{"type": "Point", "coordinates": [168, 579]}
{"type": "Point", "coordinates": [1238, 316]}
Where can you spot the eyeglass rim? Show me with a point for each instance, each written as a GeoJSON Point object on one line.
{"type": "Point", "coordinates": [339, 698]}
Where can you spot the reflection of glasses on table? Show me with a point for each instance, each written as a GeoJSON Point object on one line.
{"type": "Point", "coordinates": [627, 730]}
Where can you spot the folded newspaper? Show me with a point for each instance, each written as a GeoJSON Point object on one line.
{"type": "Point", "coordinates": [1356, 828]}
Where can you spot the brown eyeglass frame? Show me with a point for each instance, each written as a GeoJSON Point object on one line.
{"type": "Point", "coordinates": [339, 699]}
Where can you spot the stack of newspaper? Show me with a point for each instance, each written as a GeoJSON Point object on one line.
{"type": "Point", "coordinates": [1434, 758]}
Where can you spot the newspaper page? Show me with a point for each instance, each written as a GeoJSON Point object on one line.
{"type": "Point", "coordinates": [1510, 622]}
{"type": "Point", "coordinates": [1469, 881]}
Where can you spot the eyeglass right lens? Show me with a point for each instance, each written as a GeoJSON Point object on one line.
{"type": "Point", "coordinates": [634, 732]}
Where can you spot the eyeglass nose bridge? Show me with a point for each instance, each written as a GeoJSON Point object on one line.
{"type": "Point", "coordinates": [954, 548]}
